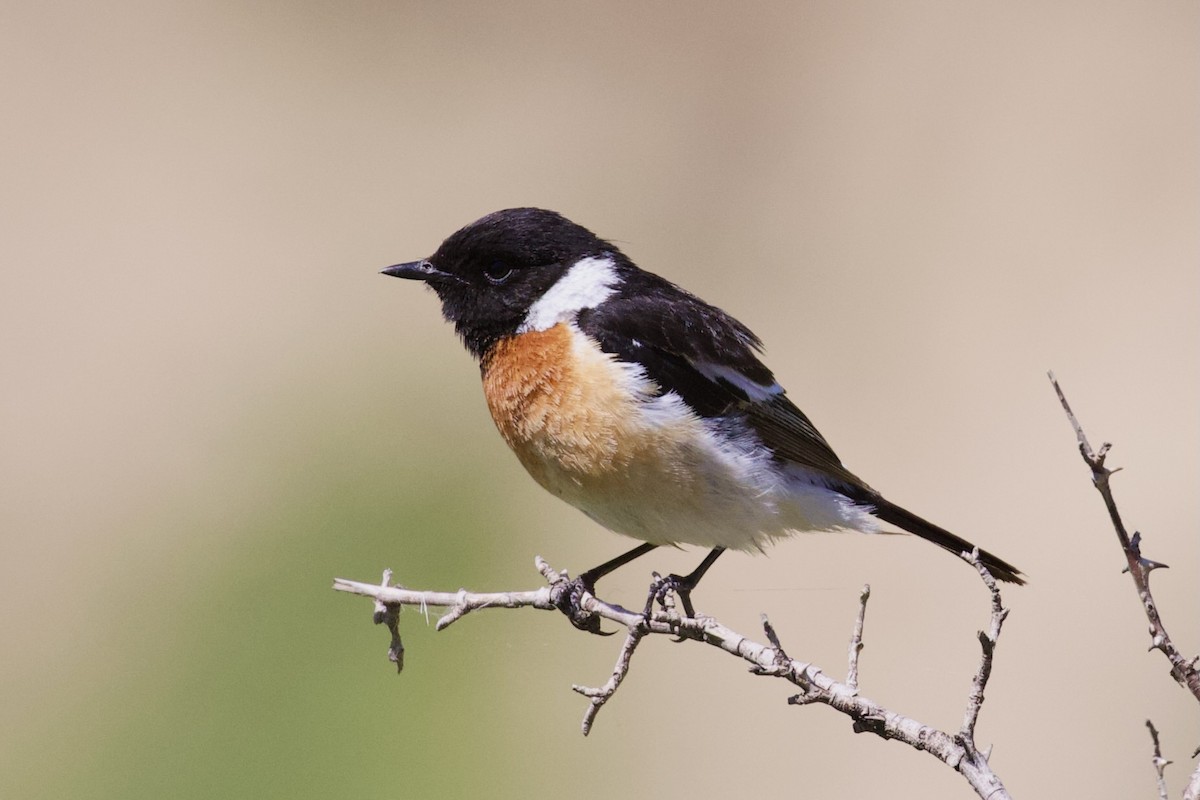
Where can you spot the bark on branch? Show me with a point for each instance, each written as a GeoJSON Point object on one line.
{"type": "Point", "coordinates": [1183, 670]}
{"type": "Point", "coordinates": [957, 750]}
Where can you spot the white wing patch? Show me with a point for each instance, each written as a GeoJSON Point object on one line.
{"type": "Point", "coordinates": [755, 391]}
{"type": "Point", "coordinates": [588, 283]}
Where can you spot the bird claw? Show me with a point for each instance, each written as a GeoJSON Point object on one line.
{"type": "Point", "coordinates": [568, 598]}
{"type": "Point", "coordinates": [661, 591]}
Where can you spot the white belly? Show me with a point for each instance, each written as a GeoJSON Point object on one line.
{"type": "Point", "coordinates": [592, 430]}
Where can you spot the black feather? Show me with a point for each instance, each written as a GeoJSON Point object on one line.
{"type": "Point", "coordinates": [670, 332]}
{"type": "Point", "coordinates": [906, 520]}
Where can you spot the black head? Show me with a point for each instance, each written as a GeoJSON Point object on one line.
{"type": "Point", "coordinates": [489, 273]}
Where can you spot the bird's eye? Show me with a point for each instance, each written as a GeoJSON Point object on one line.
{"type": "Point", "coordinates": [497, 272]}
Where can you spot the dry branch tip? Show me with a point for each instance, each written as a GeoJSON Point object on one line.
{"type": "Point", "coordinates": [956, 751]}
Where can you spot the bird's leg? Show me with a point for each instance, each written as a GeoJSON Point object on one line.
{"type": "Point", "coordinates": [589, 578]}
{"type": "Point", "coordinates": [568, 601]}
{"type": "Point", "coordinates": [683, 585]}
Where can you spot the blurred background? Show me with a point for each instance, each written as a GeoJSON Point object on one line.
{"type": "Point", "coordinates": [212, 404]}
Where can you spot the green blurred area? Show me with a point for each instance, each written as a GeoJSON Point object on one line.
{"type": "Point", "coordinates": [207, 655]}
{"type": "Point", "coordinates": [240, 674]}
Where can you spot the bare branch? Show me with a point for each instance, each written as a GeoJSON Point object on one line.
{"type": "Point", "coordinates": [1160, 763]}
{"type": "Point", "coordinates": [1192, 792]}
{"type": "Point", "coordinates": [856, 638]}
{"type": "Point", "coordinates": [957, 751]}
{"type": "Point", "coordinates": [460, 603]}
{"type": "Point", "coordinates": [601, 695]}
{"type": "Point", "coordinates": [390, 616]}
{"type": "Point", "coordinates": [1182, 669]}
{"type": "Point", "coordinates": [987, 642]}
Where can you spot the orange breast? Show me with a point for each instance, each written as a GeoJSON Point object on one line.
{"type": "Point", "coordinates": [558, 405]}
{"type": "Point", "coordinates": [598, 434]}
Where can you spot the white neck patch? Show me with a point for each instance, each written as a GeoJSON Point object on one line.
{"type": "Point", "coordinates": [587, 284]}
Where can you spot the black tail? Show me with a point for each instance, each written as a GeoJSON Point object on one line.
{"type": "Point", "coordinates": [901, 518]}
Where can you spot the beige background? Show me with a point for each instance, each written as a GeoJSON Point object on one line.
{"type": "Point", "coordinates": [212, 404]}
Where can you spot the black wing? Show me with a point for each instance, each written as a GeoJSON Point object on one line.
{"type": "Point", "coordinates": [710, 360]}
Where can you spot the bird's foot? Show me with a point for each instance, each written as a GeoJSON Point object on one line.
{"type": "Point", "coordinates": [662, 591]}
{"type": "Point", "coordinates": [567, 597]}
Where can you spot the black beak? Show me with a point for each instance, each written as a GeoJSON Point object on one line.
{"type": "Point", "coordinates": [421, 270]}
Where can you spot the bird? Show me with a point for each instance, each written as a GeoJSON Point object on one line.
{"type": "Point", "coordinates": [645, 407]}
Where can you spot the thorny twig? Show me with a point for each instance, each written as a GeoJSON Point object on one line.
{"type": "Point", "coordinates": [856, 638]}
{"type": "Point", "coordinates": [987, 641]}
{"type": "Point", "coordinates": [957, 750]}
{"type": "Point", "coordinates": [602, 694]}
{"type": "Point", "coordinates": [1185, 671]}
{"type": "Point", "coordinates": [1160, 763]}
